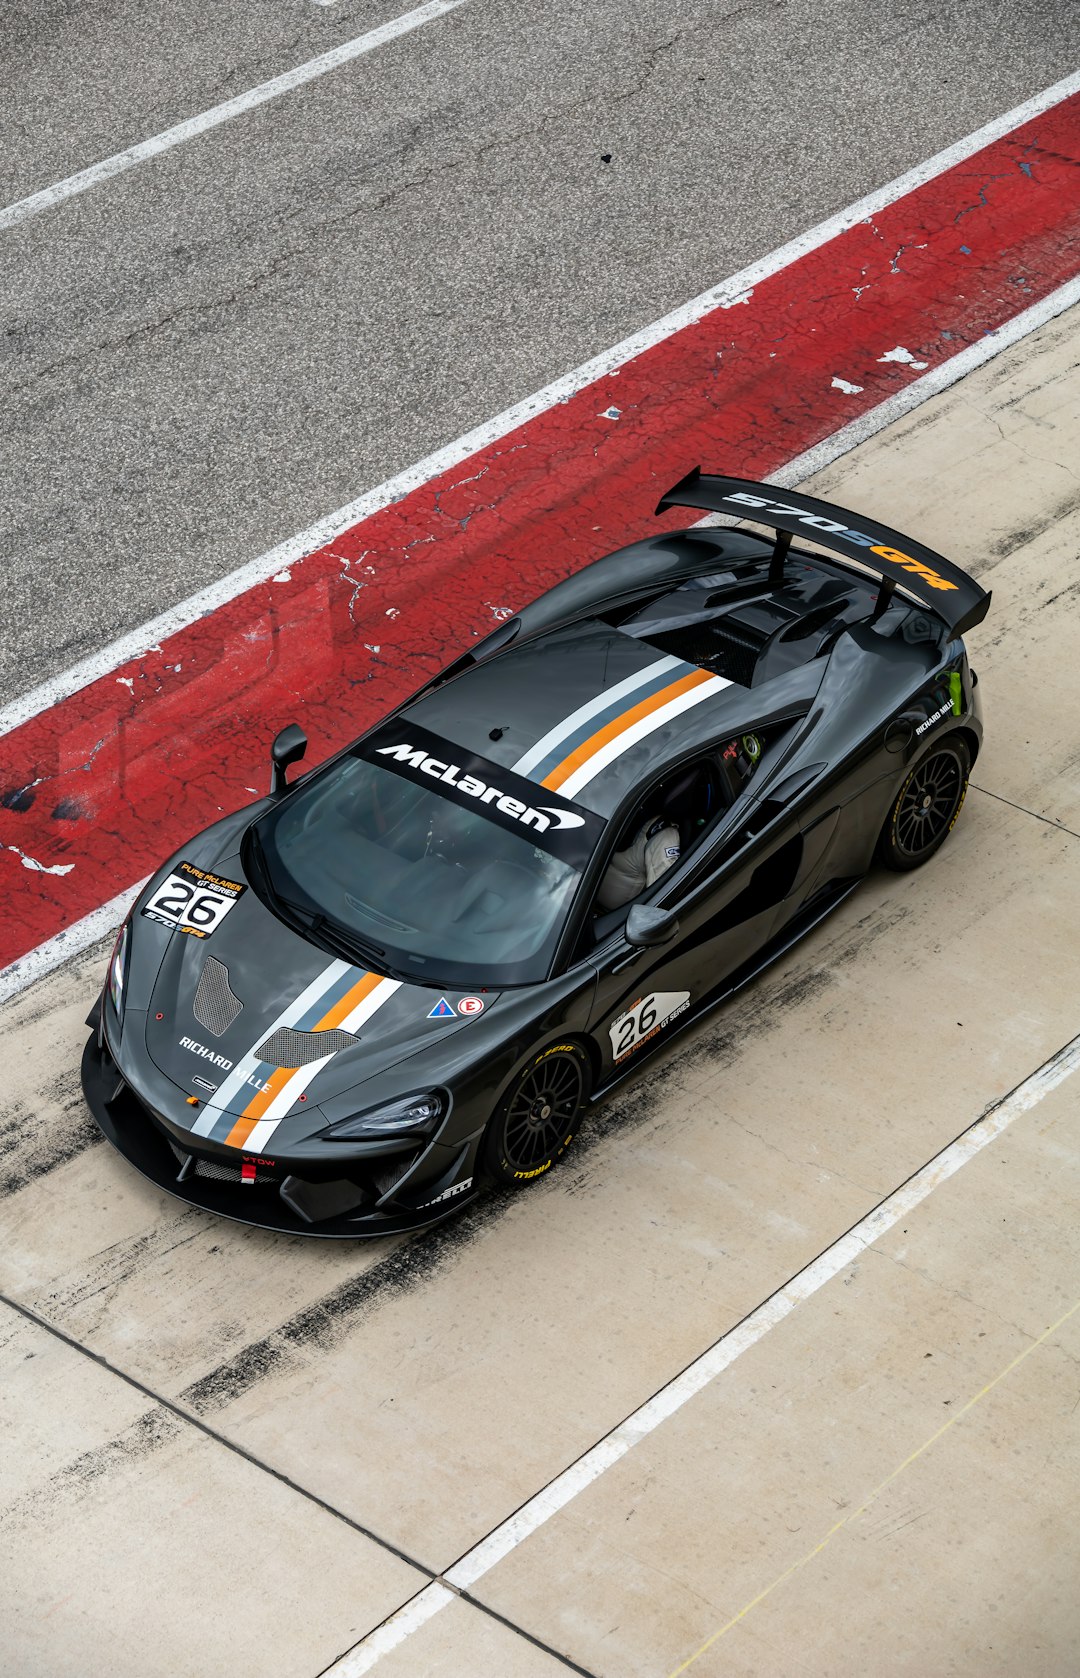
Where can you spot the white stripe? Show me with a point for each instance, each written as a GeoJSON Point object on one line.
{"type": "Point", "coordinates": [371, 1003]}
{"type": "Point", "coordinates": [392, 1632]}
{"type": "Point", "coordinates": [939, 379]}
{"type": "Point", "coordinates": [120, 162]}
{"type": "Point", "coordinates": [101, 923]}
{"type": "Point", "coordinates": [610, 696]}
{"type": "Point", "coordinates": [217, 1103]}
{"type": "Point", "coordinates": [498, 1544]}
{"type": "Point", "coordinates": [291, 552]}
{"type": "Point", "coordinates": [291, 1091]}
{"type": "Point", "coordinates": [66, 945]}
{"type": "Point", "coordinates": [285, 1099]}
{"type": "Point", "coordinates": [637, 732]}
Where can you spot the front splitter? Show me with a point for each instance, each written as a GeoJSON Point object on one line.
{"type": "Point", "coordinates": [127, 1124]}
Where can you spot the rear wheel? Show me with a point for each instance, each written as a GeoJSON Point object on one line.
{"type": "Point", "coordinates": [925, 809]}
{"type": "Point", "coordinates": [536, 1119]}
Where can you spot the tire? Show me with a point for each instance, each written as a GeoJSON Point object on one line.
{"type": "Point", "coordinates": [925, 809]}
{"type": "Point", "coordinates": [536, 1119]}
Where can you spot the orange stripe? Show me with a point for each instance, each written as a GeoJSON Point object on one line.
{"type": "Point", "coordinates": [241, 1130]}
{"type": "Point", "coordinates": [356, 994]}
{"type": "Point", "coordinates": [644, 708]}
{"type": "Point", "coordinates": [257, 1106]}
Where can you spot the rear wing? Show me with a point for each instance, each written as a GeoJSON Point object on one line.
{"type": "Point", "coordinates": [935, 582]}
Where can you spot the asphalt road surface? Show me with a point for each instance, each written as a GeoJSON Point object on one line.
{"type": "Point", "coordinates": [206, 354]}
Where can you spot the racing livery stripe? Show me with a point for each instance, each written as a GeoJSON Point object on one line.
{"type": "Point", "coordinates": [365, 1005]}
{"type": "Point", "coordinates": [551, 747]}
{"type": "Point", "coordinates": [264, 1112]}
{"type": "Point", "coordinates": [263, 1071]}
{"type": "Point", "coordinates": [632, 726]}
{"type": "Point", "coordinates": [338, 1014]}
{"type": "Point", "coordinates": [215, 1109]}
{"type": "Point", "coordinates": [242, 1127]}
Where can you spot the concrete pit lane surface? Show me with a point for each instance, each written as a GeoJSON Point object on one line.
{"type": "Point", "coordinates": [776, 1373]}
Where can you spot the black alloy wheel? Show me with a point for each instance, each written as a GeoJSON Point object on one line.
{"type": "Point", "coordinates": [536, 1119]}
{"type": "Point", "coordinates": [926, 807]}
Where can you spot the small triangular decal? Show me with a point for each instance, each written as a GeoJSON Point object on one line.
{"type": "Point", "coordinates": [442, 1010]}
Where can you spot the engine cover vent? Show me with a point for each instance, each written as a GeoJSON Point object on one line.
{"type": "Point", "coordinates": [291, 1049]}
{"type": "Point", "coordinates": [216, 1005]}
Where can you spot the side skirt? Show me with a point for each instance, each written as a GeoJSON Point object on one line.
{"type": "Point", "coordinates": [796, 929]}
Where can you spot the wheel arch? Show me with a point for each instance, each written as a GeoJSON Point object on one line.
{"type": "Point", "coordinates": [970, 739]}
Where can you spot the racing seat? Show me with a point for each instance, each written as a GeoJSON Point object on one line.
{"type": "Point", "coordinates": [687, 803]}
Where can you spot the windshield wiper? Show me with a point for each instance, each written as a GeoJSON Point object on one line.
{"type": "Point", "coordinates": [340, 939]}
{"type": "Point", "coordinates": [332, 931]}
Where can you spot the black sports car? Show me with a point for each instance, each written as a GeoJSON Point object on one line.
{"type": "Point", "coordinates": [341, 1009]}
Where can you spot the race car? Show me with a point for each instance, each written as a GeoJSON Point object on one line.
{"type": "Point", "coordinates": [342, 1010]}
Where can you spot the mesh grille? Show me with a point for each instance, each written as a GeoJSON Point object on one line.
{"type": "Point", "coordinates": [220, 1172]}
{"type": "Point", "coordinates": [215, 1005]}
{"type": "Point", "coordinates": [299, 1048]}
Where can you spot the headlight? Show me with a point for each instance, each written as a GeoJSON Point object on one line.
{"type": "Point", "coordinates": [118, 969]}
{"type": "Point", "coordinates": [413, 1112]}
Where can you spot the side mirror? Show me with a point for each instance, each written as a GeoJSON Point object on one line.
{"type": "Point", "coordinates": [646, 926]}
{"type": "Point", "coordinates": [289, 747]}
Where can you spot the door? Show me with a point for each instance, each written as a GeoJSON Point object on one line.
{"type": "Point", "coordinates": [727, 904]}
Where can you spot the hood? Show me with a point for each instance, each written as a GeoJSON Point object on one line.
{"type": "Point", "coordinates": [260, 1025]}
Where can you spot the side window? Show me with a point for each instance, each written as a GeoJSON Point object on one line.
{"type": "Point", "coordinates": [741, 761]}
{"type": "Point", "coordinates": [664, 825]}
{"type": "Point", "coordinates": [740, 758]}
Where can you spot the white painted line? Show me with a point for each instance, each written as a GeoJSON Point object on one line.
{"type": "Point", "coordinates": [150, 635]}
{"type": "Point", "coordinates": [121, 161]}
{"type": "Point", "coordinates": [532, 1515]}
{"type": "Point", "coordinates": [930, 384]}
{"type": "Point", "coordinates": [101, 922]}
{"type": "Point", "coordinates": [393, 1631]}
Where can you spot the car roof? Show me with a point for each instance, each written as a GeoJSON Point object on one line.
{"type": "Point", "coordinates": [593, 710]}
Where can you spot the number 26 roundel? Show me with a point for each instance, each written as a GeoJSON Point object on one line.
{"type": "Point", "coordinates": [645, 1019]}
{"type": "Point", "coordinates": [191, 900]}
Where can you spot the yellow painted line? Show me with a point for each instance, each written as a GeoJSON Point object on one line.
{"type": "Point", "coordinates": [877, 1491]}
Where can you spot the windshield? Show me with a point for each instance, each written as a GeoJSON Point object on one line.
{"type": "Point", "coordinates": [431, 886]}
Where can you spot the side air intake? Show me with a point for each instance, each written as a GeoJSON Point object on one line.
{"type": "Point", "coordinates": [291, 1048]}
{"type": "Point", "coordinates": [216, 1005]}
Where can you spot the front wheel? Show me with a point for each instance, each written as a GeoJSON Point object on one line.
{"type": "Point", "coordinates": [536, 1119]}
{"type": "Point", "coordinates": [925, 809]}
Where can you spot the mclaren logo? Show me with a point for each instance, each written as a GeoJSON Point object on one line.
{"type": "Point", "coordinates": [547, 816]}
{"type": "Point", "coordinates": [814, 521]}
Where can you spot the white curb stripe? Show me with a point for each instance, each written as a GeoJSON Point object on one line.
{"type": "Point", "coordinates": [151, 634]}
{"type": "Point", "coordinates": [533, 1514]}
{"type": "Point", "coordinates": [120, 162]}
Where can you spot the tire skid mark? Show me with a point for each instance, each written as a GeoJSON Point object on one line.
{"type": "Point", "coordinates": [1014, 541]}
{"type": "Point", "coordinates": [68, 1485]}
{"type": "Point", "coordinates": [103, 1273]}
{"type": "Point", "coordinates": [325, 1322]}
{"type": "Point", "coordinates": [31, 1146]}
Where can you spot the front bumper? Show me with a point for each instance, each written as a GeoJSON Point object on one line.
{"type": "Point", "coordinates": [365, 1203]}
